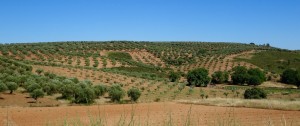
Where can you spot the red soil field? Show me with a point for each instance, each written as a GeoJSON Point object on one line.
{"type": "Point", "coordinates": [146, 113]}
{"type": "Point", "coordinates": [23, 99]}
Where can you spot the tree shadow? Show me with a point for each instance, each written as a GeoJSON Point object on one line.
{"type": "Point", "coordinates": [32, 102]}
{"type": "Point", "coordinates": [120, 102]}
{"type": "Point", "coordinates": [7, 93]}
{"type": "Point", "coordinates": [107, 97]}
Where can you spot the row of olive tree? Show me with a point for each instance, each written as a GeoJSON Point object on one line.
{"type": "Point", "coordinates": [14, 75]}
{"type": "Point", "coordinates": [240, 75]}
{"type": "Point", "coordinates": [253, 76]}
{"type": "Point", "coordinates": [72, 89]}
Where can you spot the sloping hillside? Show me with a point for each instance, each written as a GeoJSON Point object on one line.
{"type": "Point", "coordinates": [144, 65]}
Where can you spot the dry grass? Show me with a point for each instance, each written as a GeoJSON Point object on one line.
{"type": "Point", "coordinates": [230, 102]}
{"type": "Point", "coordinates": [276, 84]}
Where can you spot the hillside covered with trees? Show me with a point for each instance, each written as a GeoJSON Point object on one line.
{"type": "Point", "coordinates": [86, 72]}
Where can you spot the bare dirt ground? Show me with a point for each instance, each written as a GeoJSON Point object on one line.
{"type": "Point", "coordinates": [146, 113]}
{"type": "Point", "coordinates": [23, 99]}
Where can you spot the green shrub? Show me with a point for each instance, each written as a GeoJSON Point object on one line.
{"type": "Point", "coordinates": [67, 91]}
{"type": "Point", "coordinates": [116, 93]}
{"type": "Point", "coordinates": [3, 87]}
{"type": "Point", "coordinates": [119, 55]}
{"type": "Point", "coordinates": [256, 76]}
{"type": "Point", "coordinates": [290, 76]}
{"type": "Point", "coordinates": [50, 88]}
{"type": "Point", "coordinates": [39, 71]}
{"type": "Point", "coordinates": [157, 100]}
{"type": "Point", "coordinates": [198, 77]}
{"type": "Point", "coordinates": [33, 87]}
{"type": "Point", "coordinates": [255, 93]}
{"type": "Point", "coordinates": [254, 80]}
{"type": "Point", "coordinates": [100, 90]}
{"type": "Point", "coordinates": [298, 81]}
{"type": "Point", "coordinates": [134, 94]}
{"type": "Point", "coordinates": [174, 76]}
{"type": "Point", "coordinates": [37, 93]}
{"type": "Point", "coordinates": [242, 75]}
{"type": "Point", "coordinates": [239, 75]}
{"type": "Point", "coordinates": [84, 95]}
{"type": "Point", "coordinates": [202, 94]}
{"type": "Point", "coordinates": [74, 79]}
{"type": "Point", "coordinates": [181, 86]}
{"type": "Point", "coordinates": [220, 77]}
{"type": "Point", "coordinates": [51, 75]}
{"type": "Point", "coordinates": [12, 86]}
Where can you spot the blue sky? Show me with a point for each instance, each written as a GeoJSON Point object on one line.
{"type": "Point", "coordinates": [261, 21]}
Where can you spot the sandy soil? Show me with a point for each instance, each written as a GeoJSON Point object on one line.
{"type": "Point", "coordinates": [152, 113]}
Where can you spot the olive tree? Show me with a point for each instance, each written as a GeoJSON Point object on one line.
{"type": "Point", "coordinates": [50, 88]}
{"type": "Point", "coordinates": [37, 93]}
{"type": "Point", "coordinates": [67, 89]}
{"type": "Point", "coordinates": [84, 94]}
{"type": "Point", "coordinates": [100, 89]}
{"type": "Point", "coordinates": [255, 76]}
{"type": "Point", "coordinates": [198, 77]}
{"type": "Point", "coordinates": [242, 75]}
{"type": "Point", "coordinates": [3, 87]}
{"type": "Point", "coordinates": [33, 87]}
{"type": "Point", "coordinates": [116, 93]}
{"type": "Point", "coordinates": [290, 76]}
{"type": "Point", "coordinates": [239, 75]}
{"type": "Point", "coordinates": [219, 77]}
{"type": "Point", "coordinates": [134, 94]}
{"type": "Point", "coordinates": [12, 86]}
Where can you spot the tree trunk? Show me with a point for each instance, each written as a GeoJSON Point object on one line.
{"type": "Point", "coordinates": [11, 91]}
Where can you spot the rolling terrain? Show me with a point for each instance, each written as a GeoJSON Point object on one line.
{"type": "Point", "coordinates": [67, 71]}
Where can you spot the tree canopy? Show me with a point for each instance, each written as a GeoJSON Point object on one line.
{"type": "Point", "coordinates": [291, 76]}
{"type": "Point", "coordinates": [173, 76]}
{"type": "Point", "coordinates": [198, 77]}
{"type": "Point", "coordinates": [253, 76]}
{"type": "Point", "coordinates": [220, 77]}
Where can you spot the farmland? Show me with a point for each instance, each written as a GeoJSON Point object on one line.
{"type": "Point", "coordinates": [82, 76]}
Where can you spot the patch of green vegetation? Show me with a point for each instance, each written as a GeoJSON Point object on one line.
{"type": "Point", "coordinates": [125, 57]}
{"type": "Point", "coordinates": [236, 87]}
{"type": "Point", "coordinates": [198, 77]}
{"type": "Point", "coordinates": [255, 93]}
{"type": "Point", "coordinates": [137, 69]}
{"type": "Point", "coordinates": [275, 61]}
{"type": "Point", "coordinates": [274, 90]}
{"type": "Point", "coordinates": [142, 72]}
{"type": "Point", "coordinates": [119, 55]}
